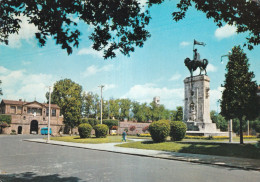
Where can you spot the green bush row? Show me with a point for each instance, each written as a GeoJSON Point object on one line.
{"type": "Point", "coordinates": [85, 130]}
{"type": "Point", "coordinates": [160, 130]}
{"type": "Point", "coordinates": [92, 121]}
{"type": "Point", "coordinates": [110, 123]}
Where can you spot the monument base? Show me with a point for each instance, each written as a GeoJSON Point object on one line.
{"type": "Point", "coordinates": [203, 127]}
{"type": "Point", "coordinates": [201, 133]}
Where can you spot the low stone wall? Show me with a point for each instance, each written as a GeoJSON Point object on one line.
{"type": "Point", "coordinates": [138, 129]}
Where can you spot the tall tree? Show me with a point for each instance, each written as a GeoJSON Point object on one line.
{"type": "Point", "coordinates": [90, 105]}
{"type": "Point", "coordinates": [220, 121]}
{"type": "Point", "coordinates": [179, 114]}
{"type": "Point", "coordinates": [125, 105]}
{"type": "Point", "coordinates": [239, 99]}
{"type": "Point", "coordinates": [114, 108]}
{"type": "Point", "coordinates": [142, 112]}
{"type": "Point", "coordinates": [155, 111]}
{"type": "Point", "coordinates": [67, 95]}
{"type": "Point", "coordinates": [118, 25]}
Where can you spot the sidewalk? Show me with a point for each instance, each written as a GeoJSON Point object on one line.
{"type": "Point", "coordinates": [241, 163]}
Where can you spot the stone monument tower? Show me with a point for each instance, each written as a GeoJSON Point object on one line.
{"type": "Point", "coordinates": [197, 107]}
{"type": "Point", "coordinates": [197, 99]}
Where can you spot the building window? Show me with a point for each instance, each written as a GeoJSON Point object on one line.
{"type": "Point", "coordinates": [36, 111]}
{"type": "Point", "coordinates": [13, 110]}
{"type": "Point", "coordinates": [19, 110]}
{"type": "Point", "coordinates": [53, 112]}
{"type": "Point", "coordinates": [39, 112]}
{"type": "Point", "coordinates": [29, 110]}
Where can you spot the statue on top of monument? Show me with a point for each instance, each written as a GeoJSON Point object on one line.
{"type": "Point", "coordinates": [192, 65]}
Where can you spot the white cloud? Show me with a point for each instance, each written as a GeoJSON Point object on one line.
{"type": "Point", "coordinates": [19, 84]}
{"type": "Point", "coordinates": [26, 32]}
{"type": "Point", "coordinates": [92, 70]}
{"type": "Point", "coordinates": [90, 51]}
{"type": "Point", "coordinates": [109, 86]}
{"type": "Point", "coordinates": [225, 31]}
{"type": "Point", "coordinates": [3, 70]}
{"type": "Point", "coordinates": [211, 68]}
{"type": "Point", "coordinates": [175, 77]}
{"type": "Point", "coordinates": [170, 98]}
{"type": "Point", "coordinates": [215, 95]}
{"type": "Point", "coordinates": [184, 44]}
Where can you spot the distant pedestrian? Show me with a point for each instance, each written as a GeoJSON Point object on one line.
{"type": "Point", "coordinates": [124, 136]}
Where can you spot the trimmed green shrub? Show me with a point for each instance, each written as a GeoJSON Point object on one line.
{"type": "Point", "coordinates": [110, 123]}
{"type": "Point", "coordinates": [159, 130]}
{"type": "Point", "coordinates": [85, 130]}
{"type": "Point", "coordinates": [6, 118]}
{"type": "Point", "coordinates": [92, 121]}
{"type": "Point", "coordinates": [178, 130]}
{"type": "Point", "coordinates": [101, 130]}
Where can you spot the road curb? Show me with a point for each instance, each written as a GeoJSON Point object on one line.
{"type": "Point", "coordinates": [152, 156]}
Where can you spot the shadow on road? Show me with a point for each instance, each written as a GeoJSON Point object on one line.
{"type": "Point", "coordinates": [30, 176]}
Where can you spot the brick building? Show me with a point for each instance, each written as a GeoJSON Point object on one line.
{"type": "Point", "coordinates": [30, 117]}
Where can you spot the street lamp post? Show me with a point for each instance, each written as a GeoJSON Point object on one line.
{"type": "Point", "coordinates": [49, 117]}
{"type": "Point", "coordinates": [230, 120]}
{"type": "Point", "coordinates": [101, 87]}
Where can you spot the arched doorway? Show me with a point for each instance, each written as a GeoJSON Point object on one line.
{"type": "Point", "coordinates": [20, 129]}
{"type": "Point", "coordinates": [34, 127]}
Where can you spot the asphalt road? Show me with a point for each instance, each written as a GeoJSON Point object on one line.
{"type": "Point", "coordinates": [27, 161]}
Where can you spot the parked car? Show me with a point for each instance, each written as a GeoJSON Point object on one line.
{"type": "Point", "coordinates": [44, 131]}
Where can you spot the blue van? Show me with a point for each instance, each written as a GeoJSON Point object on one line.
{"type": "Point", "coordinates": [44, 131]}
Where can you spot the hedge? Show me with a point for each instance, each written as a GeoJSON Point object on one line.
{"type": "Point", "coordinates": [110, 123]}
{"type": "Point", "coordinates": [92, 121]}
{"type": "Point", "coordinates": [85, 130]}
{"type": "Point", "coordinates": [159, 130]}
{"type": "Point", "coordinates": [178, 130]}
{"type": "Point", "coordinates": [101, 130]}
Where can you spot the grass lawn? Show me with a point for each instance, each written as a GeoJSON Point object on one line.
{"type": "Point", "coordinates": [235, 139]}
{"type": "Point", "coordinates": [92, 140]}
{"type": "Point", "coordinates": [232, 150]}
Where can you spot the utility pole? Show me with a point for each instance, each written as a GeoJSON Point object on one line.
{"type": "Point", "coordinates": [248, 127]}
{"type": "Point", "coordinates": [49, 120]}
{"type": "Point", "coordinates": [101, 87]}
{"type": "Point", "coordinates": [230, 131]}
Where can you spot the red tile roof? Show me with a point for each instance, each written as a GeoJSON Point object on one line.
{"type": "Point", "coordinates": [14, 102]}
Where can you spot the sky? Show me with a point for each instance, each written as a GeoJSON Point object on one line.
{"type": "Point", "coordinates": [156, 69]}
